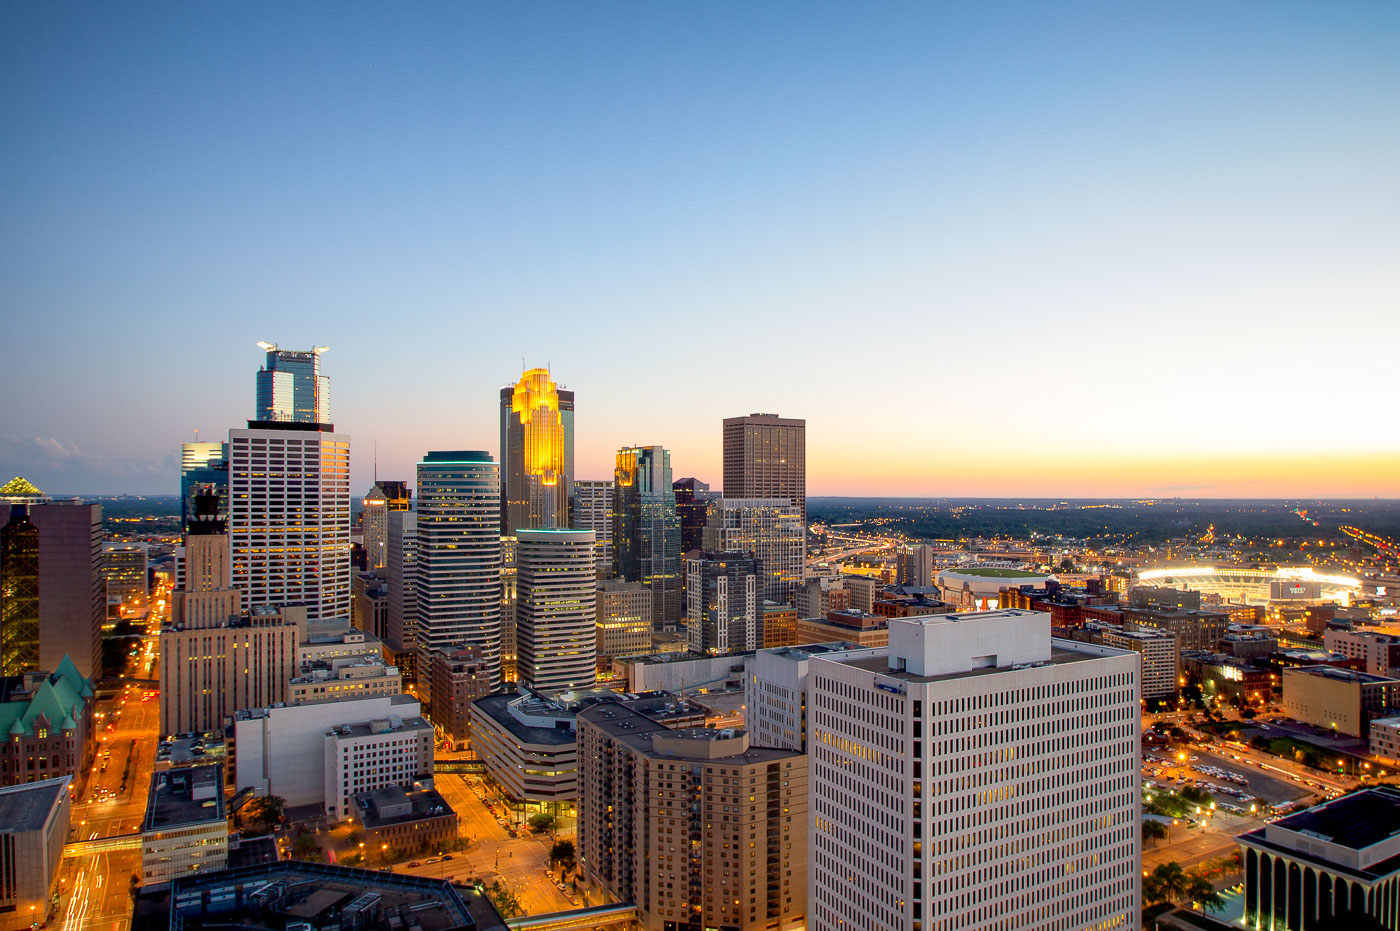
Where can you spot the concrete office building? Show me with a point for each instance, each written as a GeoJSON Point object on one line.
{"type": "Point", "coordinates": [915, 565]}
{"type": "Point", "coordinates": [555, 622]}
{"type": "Point", "coordinates": [401, 574]}
{"type": "Point", "coordinates": [52, 595]}
{"type": "Point", "coordinates": [765, 456]}
{"type": "Point", "coordinates": [459, 559]}
{"type": "Point", "coordinates": [723, 603]}
{"type": "Point", "coordinates": [772, 530]}
{"type": "Point", "coordinates": [1342, 700]}
{"type": "Point", "coordinates": [593, 510]}
{"type": "Point", "coordinates": [374, 754]}
{"type": "Point", "coordinates": [1161, 658]}
{"type": "Point", "coordinates": [537, 453]}
{"type": "Point", "coordinates": [1194, 629]}
{"type": "Point", "coordinates": [34, 822]}
{"type": "Point", "coordinates": [1379, 651]}
{"type": "Point", "coordinates": [280, 750]}
{"type": "Point", "coordinates": [460, 677]}
{"type": "Point", "coordinates": [971, 737]}
{"type": "Point", "coordinates": [775, 691]}
{"type": "Point", "coordinates": [696, 826]}
{"type": "Point", "coordinates": [623, 620]}
{"type": "Point", "coordinates": [343, 678]}
{"type": "Point", "coordinates": [369, 603]}
{"type": "Point", "coordinates": [820, 595]}
{"type": "Point", "coordinates": [186, 830]}
{"type": "Point", "coordinates": [1335, 865]}
{"type": "Point", "coordinates": [1384, 739]}
{"type": "Point", "coordinates": [849, 625]}
{"type": "Point", "coordinates": [529, 748]}
{"type": "Point", "coordinates": [647, 532]}
{"type": "Point", "coordinates": [863, 591]}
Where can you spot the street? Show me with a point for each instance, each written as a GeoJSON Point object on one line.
{"type": "Point", "coordinates": [94, 890]}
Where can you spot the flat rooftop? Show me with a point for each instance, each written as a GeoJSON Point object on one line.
{"type": "Point", "coordinates": [192, 795]}
{"type": "Point", "coordinates": [494, 706]}
{"type": "Point", "coordinates": [1355, 821]}
{"type": "Point", "coordinates": [391, 725]}
{"type": "Point", "coordinates": [657, 659]}
{"type": "Point", "coordinates": [638, 731]}
{"type": "Point", "coordinates": [267, 896]}
{"type": "Point", "coordinates": [425, 803]}
{"type": "Point", "coordinates": [27, 807]}
{"type": "Point", "coordinates": [1061, 653]}
{"type": "Point", "coordinates": [1342, 675]}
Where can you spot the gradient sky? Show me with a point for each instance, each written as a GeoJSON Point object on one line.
{"type": "Point", "coordinates": [984, 249]}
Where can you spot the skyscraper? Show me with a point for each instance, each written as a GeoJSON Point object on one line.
{"type": "Point", "coordinates": [693, 499]}
{"type": "Point", "coordinates": [202, 465]}
{"type": "Point", "coordinates": [555, 627]}
{"type": "Point", "coordinates": [382, 498]}
{"type": "Point", "coordinates": [401, 574]}
{"type": "Point", "coordinates": [646, 531]}
{"type": "Point", "coordinates": [19, 593]}
{"type": "Point", "coordinates": [765, 456]}
{"type": "Point", "coordinates": [537, 453]}
{"type": "Point", "coordinates": [289, 494]}
{"type": "Point", "coordinates": [723, 599]}
{"type": "Point", "coordinates": [772, 530]}
{"type": "Point", "coordinates": [975, 774]}
{"type": "Point", "coordinates": [291, 388]}
{"type": "Point", "coordinates": [459, 558]}
{"type": "Point", "coordinates": [593, 510]}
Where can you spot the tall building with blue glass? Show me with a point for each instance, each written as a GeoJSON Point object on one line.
{"type": "Point", "coordinates": [291, 388]}
{"type": "Point", "coordinates": [647, 531]}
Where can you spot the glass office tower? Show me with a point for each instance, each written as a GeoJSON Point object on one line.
{"type": "Point", "coordinates": [646, 530]}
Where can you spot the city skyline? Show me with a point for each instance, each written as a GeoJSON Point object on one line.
{"type": "Point", "coordinates": [1080, 251]}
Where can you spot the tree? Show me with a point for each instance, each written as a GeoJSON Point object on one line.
{"type": "Point", "coordinates": [1202, 891]}
{"type": "Point", "coordinates": [505, 901]}
{"type": "Point", "coordinates": [1153, 830]}
{"type": "Point", "coordinates": [1196, 796]}
{"type": "Point", "coordinates": [266, 810]}
{"type": "Point", "coordinates": [542, 822]}
{"type": "Point", "coordinates": [305, 847]}
{"type": "Point", "coordinates": [1166, 883]}
{"type": "Point", "coordinates": [562, 853]}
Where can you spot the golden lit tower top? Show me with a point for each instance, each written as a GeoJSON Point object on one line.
{"type": "Point", "coordinates": [537, 444]}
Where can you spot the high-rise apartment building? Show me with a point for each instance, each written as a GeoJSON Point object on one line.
{"type": "Point", "coordinates": [693, 499]}
{"type": "Point", "coordinates": [915, 565]}
{"type": "Point", "coordinates": [593, 510]}
{"type": "Point", "coordinates": [52, 599]}
{"type": "Point", "coordinates": [291, 388]}
{"type": "Point", "coordinates": [555, 625]}
{"type": "Point", "coordinates": [976, 774]}
{"type": "Point", "coordinates": [646, 531]}
{"type": "Point", "coordinates": [215, 661]}
{"type": "Point", "coordinates": [765, 456]}
{"type": "Point", "coordinates": [460, 677]}
{"type": "Point", "coordinates": [697, 827]}
{"type": "Point", "coordinates": [723, 601]}
{"type": "Point", "coordinates": [459, 558]}
{"type": "Point", "coordinates": [772, 530]}
{"type": "Point", "coordinates": [537, 453]}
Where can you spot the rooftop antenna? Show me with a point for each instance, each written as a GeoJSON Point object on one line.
{"type": "Point", "coordinates": [376, 462]}
{"type": "Point", "coordinates": [196, 434]}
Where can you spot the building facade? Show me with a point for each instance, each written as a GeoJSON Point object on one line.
{"type": "Point", "coordinates": [1342, 700]}
{"type": "Point", "coordinates": [647, 532]}
{"type": "Point", "coordinates": [401, 576]}
{"type": "Point", "coordinates": [555, 613]}
{"type": "Point", "coordinates": [975, 775]}
{"type": "Point", "coordinates": [593, 510]}
{"type": "Point", "coordinates": [459, 559]}
{"type": "Point", "coordinates": [460, 677]}
{"type": "Point", "coordinates": [537, 453]}
{"type": "Point", "coordinates": [623, 620]}
{"type": "Point", "coordinates": [186, 830]}
{"type": "Point", "coordinates": [772, 530]}
{"type": "Point", "coordinates": [693, 498]}
{"type": "Point", "coordinates": [34, 823]}
{"type": "Point", "coordinates": [291, 388]}
{"type": "Point", "coordinates": [696, 826]}
{"type": "Point", "coordinates": [765, 456]}
{"type": "Point", "coordinates": [374, 754]}
{"type": "Point", "coordinates": [723, 595]}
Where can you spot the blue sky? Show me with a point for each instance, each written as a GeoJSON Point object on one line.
{"type": "Point", "coordinates": [983, 249]}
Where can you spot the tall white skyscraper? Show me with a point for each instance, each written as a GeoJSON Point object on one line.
{"type": "Point", "coordinates": [975, 775]}
{"type": "Point", "coordinates": [459, 558]}
{"type": "Point", "coordinates": [555, 624]}
{"type": "Point", "coordinates": [289, 494]}
{"type": "Point", "coordinates": [772, 529]}
{"type": "Point", "coordinates": [593, 510]}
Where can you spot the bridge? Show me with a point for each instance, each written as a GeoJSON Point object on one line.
{"type": "Point", "coordinates": [88, 848]}
{"type": "Point", "coordinates": [579, 919]}
{"type": "Point", "coordinates": [459, 766]}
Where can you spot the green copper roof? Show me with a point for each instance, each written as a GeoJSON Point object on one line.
{"type": "Point", "coordinates": [59, 699]}
{"type": "Point", "coordinates": [19, 485]}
